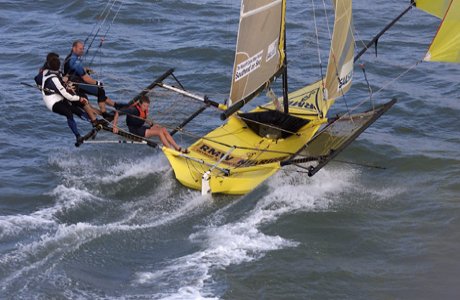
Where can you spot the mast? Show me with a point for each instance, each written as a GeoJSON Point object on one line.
{"type": "Point", "coordinates": [259, 55]}
{"type": "Point", "coordinates": [285, 90]}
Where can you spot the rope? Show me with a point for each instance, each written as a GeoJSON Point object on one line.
{"type": "Point", "coordinates": [317, 43]}
{"type": "Point", "coordinates": [386, 85]}
{"type": "Point", "coordinates": [106, 32]}
{"type": "Point", "coordinates": [95, 24]}
{"type": "Point", "coordinates": [368, 85]}
{"type": "Point", "coordinates": [327, 20]}
{"type": "Point", "coordinates": [190, 134]}
{"type": "Point", "coordinates": [101, 24]}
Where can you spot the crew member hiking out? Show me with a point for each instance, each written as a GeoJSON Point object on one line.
{"type": "Point", "coordinates": [58, 100]}
{"type": "Point", "coordinates": [73, 68]}
{"type": "Point", "coordinates": [136, 117]}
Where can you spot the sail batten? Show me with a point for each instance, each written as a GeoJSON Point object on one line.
{"type": "Point", "coordinates": [259, 51]}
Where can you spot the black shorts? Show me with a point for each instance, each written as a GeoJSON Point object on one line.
{"type": "Point", "coordinates": [77, 108]}
{"type": "Point", "coordinates": [139, 131]}
{"type": "Point", "coordinates": [67, 108]}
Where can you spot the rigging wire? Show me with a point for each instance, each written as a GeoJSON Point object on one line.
{"type": "Point", "coordinates": [98, 18]}
{"type": "Point", "coordinates": [106, 32]}
{"type": "Point", "coordinates": [363, 67]}
{"type": "Point", "coordinates": [105, 14]}
{"type": "Point", "coordinates": [318, 47]}
{"type": "Point", "coordinates": [211, 139]}
{"type": "Point", "coordinates": [327, 20]}
{"type": "Point", "coordinates": [388, 83]}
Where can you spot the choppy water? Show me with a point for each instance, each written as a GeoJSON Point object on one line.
{"type": "Point", "coordinates": [111, 221]}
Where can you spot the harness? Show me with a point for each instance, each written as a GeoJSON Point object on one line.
{"type": "Point", "coordinates": [49, 75]}
{"type": "Point", "coordinates": [50, 96]}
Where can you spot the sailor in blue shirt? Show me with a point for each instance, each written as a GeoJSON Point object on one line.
{"type": "Point", "coordinates": [73, 67]}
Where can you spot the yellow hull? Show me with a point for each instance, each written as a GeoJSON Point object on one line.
{"type": "Point", "coordinates": [254, 159]}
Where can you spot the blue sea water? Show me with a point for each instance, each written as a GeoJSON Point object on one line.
{"type": "Point", "coordinates": [111, 222]}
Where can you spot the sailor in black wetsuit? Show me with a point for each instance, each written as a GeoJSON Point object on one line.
{"type": "Point", "coordinates": [60, 101]}
{"type": "Point", "coordinates": [136, 117]}
{"type": "Point", "coordinates": [73, 68]}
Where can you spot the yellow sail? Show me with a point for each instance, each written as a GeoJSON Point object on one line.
{"type": "Point", "coordinates": [340, 65]}
{"type": "Point", "coordinates": [436, 8]}
{"type": "Point", "coordinates": [446, 44]}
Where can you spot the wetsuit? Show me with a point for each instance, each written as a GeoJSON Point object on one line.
{"type": "Point", "coordinates": [59, 101]}
{"type": "Point", "coordinates": [135, 119]}
{"type": "Point", "coordinates": [38, 79]}
{"type": "Point", "coordinates": [73, 67]}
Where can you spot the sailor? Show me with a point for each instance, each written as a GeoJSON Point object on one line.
{"type": "Point", "coordinates": [73, 68]}
{"type": "Point", "coordinates": [39, 77]}
{"type": "Point", "coordinates": [60, 101]}
{"type": "Point", "coordinates": [136, 117]}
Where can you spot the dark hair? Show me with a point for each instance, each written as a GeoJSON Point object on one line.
{"type": "Point", "coordinates": [48, 58]}
{"type": "Point", "coordinates": [144, 98]}
{"type": "Point", "coordinates": [51, 55]}
{"type": "Point", "coordinates": [54, 64]}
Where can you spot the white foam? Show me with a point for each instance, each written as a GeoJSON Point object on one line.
{"type": "Point", "coordinates": [139, 168]}
{"type": "Point", "coordinates": [43, 219]}
{"type": "Point", "coordinates": [222, 244]}
{"type": "Point", "coordinates": [78, 171]}
{"type": "Point", "coordinates": [43, 254]}
{"type": "Point", "coordinates": [11, 226]}
{"type": "Point", "coordinates": [60, 239]}
{"type": "Point", "coordinates": [242, 240]}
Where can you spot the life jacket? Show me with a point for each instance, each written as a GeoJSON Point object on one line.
{"type": "Point", "coordinates": [142, 114]}
{"type": "Point", "coordinates": [136, 121]}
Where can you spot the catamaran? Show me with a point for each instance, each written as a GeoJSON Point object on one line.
{"type": "Point", "coordinates": [295, 129]}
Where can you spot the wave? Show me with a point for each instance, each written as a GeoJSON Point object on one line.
{"type": "Point", "coordinates": [240, 241]}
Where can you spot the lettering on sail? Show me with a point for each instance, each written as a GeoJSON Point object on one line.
{"type": "Point", "coordinates": [248, 66]}
{"type": "Point", "coordinates": [346, 74]}
{"type": "Point", "coordinates": [271, 50]}
{"type": "Point", "coordinates": [234, 161]}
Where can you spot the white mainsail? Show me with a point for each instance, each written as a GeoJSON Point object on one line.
{"type": "Point", "coordinates": [260, 47]}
